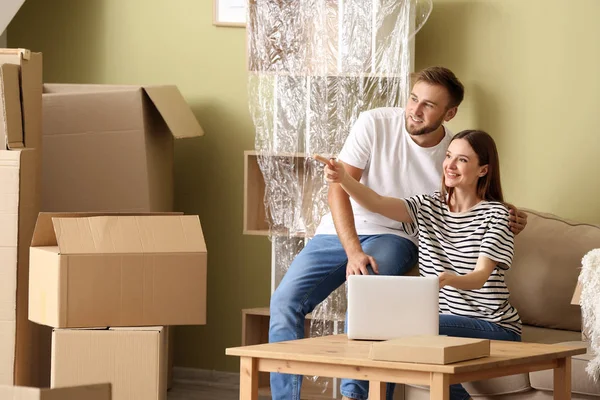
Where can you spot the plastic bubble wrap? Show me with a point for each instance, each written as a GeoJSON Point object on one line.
{"type": "Point", "coordinates": [314, 66]}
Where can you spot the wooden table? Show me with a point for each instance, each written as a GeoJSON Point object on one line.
{"type": "Point", "coordinates": [336, 356]}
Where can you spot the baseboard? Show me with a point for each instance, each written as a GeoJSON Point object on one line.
{"type": "Point", "coordinates": [196, 376]}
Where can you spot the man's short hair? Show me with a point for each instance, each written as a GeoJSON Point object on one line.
{"type": "Point", "coordinates": [443, 77]}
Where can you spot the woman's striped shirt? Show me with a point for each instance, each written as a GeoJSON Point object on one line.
{"type": "Point", "coordinates": [453, 242]}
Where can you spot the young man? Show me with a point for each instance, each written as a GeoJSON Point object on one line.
{"type": "Point", "coordinates": [397, 153]}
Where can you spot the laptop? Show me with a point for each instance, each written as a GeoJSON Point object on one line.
{"type": "Point", "coordinates": [387, 307]}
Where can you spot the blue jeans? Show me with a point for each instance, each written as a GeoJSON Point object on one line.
{"type": "Point", "coordinates": [454, 325]}
{"type": "Point", "coordinates": [315, 273]}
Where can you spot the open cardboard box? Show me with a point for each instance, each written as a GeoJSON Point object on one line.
{"type": "Point", "coordinates": [90, 270]}
{"type": "Point", "coordinates": [102, 140]}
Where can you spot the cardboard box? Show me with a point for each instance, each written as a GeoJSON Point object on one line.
{"type": "Point", "coordinates": [430, 349]}
{"type": "Point", "coordinates": [89, 392]}
{"type": "Point", "coordinates": [132, 360]}
{"type": "Point", "coordinates": [102, 139]}
{"type": "Point", "coordinates": [11, 121]}
{"type": "Point", "coordinates": [585, 335]}
{"type": "Point", "coordinates": [128, 270]}
{"type": "Point", "coordinates": [30, 67]}
{"type": "Point", "coordinates": [19, 205]}
{"type": "Point", "coordinates": [24, 350]}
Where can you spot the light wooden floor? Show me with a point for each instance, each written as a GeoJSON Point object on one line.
{"type": "Point", "coordinates": [186, 391]}
{"type": "Point", "coordinates": [193, 384]}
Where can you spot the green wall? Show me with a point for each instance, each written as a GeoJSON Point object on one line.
{"type": "Point", "coordinates": [530, 68]}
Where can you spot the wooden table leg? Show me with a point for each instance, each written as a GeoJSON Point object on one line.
{"type": "Point", "coordinates": [248, 378]}
{"type": "Point", "coordinates": [439, 388]}
{"type": "Point", "coordinates": [376, 390]}
{"type": "Point", "coordinates": [562, 379]}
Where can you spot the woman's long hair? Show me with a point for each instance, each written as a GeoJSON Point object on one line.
{"type": "Point", "coordinates": [488, 186]}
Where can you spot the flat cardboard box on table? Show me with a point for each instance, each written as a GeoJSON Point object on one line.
{"type": "Point", "coordinates": [430, 349]}
{"type": "Point", "coordinates": [133, 360]}
{"type": "Point", "coordinates": [24, 354]}
{"type": "Point", "coordinates": [127, 270]}
{"type": "Point", "coordinates": [111, 147]}
{"type": "Point", "coordinates": [88, 392]}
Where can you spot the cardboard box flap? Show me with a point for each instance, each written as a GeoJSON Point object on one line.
{"type": "Point", "coordinates": [78, 88]}
{"type": "Point", "coordinates": [175, 111]}
{"type": "Point", "coordinates": [101, 391]}
{"type": "Point", "coordinates": [11, 120]}
{"type": "Point", "coordinates": [129, 234]}
{"type": "Point", "coordinates": [44, 235]}
{"type": "Point", "coordinates": [576, 294]}
{"type": "Point", "coordinates": [24, 54]}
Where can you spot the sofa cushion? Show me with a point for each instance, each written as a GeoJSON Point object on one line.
{"type": "Point", "coordinates": [536, 334]}
{"type": "Point", "coordinates": [489, 387]}
{"type": "Point", "coordinates": [496, 386]}
{"type": "Point", "coordinates": [580, 381]}
{"type": "Point", "coordinates": [493, 387]}
{"type": "Point", "coordinates": [545, 268]}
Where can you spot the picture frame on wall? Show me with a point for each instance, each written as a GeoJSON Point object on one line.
{"type": "Point", "coordinates": [229, 13]}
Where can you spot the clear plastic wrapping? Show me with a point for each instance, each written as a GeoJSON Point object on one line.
{"type": "Point", "coordinates": [314, 66]}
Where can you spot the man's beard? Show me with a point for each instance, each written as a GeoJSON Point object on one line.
{"type": "Point", "coordinates": [424, 130]}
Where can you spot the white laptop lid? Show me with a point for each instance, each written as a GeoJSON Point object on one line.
{"type": "Point", "coordinates": [387, 307]}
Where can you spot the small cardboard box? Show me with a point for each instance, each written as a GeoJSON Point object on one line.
{"type": "Point", "coordinates": [89, 392]}
{"type": "Point", "coordinates": [132, 360]}
{"type": "Point", "coordinates": [430, 349]}
{"type": "Point", "coordinates": [127, 270]}
{"type": "Point", "coordinates": [11, 121]}
{"type": "Point", "coordinates": [103, 139]}
{"type": "Point", "coordinates": [30, 100]}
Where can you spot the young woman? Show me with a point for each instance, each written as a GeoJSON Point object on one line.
{"type": "Point", "coordinates": [464, 238]}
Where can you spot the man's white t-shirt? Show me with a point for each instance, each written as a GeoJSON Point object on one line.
{"type": "Point", "coordinates": [393, 165]}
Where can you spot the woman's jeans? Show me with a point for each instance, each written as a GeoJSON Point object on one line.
{"type": "Point", "coordinates": [454, 325]}
{"type": "Point", "coordinates": [318, 270]}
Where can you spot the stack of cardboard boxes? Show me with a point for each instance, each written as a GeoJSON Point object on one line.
{"type": "Point", "coordinates": [111, 274]}
{"type": "Point", "coordinates": [111, 264]}
{"type": "Point", "coordinates": [20, 188]}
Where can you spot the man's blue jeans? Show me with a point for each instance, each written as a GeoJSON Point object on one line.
{"type": "Point", "coordinates": [315, 273]}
